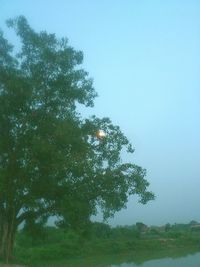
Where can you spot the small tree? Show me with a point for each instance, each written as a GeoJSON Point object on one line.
{"type": "Point", "coordinates": [51, 160]}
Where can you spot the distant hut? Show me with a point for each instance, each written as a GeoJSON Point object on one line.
{"type": "Point", "coordinates": [195, 228]}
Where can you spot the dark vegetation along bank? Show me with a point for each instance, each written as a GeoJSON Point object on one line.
{"type": "Point", "coordinates": [52, 246]}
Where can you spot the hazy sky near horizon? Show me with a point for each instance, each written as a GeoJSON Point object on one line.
{"type": "Point", "coordinates": [144, 57]}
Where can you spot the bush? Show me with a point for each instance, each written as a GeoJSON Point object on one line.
{"type": "Point", "coordinates": [174, 234]}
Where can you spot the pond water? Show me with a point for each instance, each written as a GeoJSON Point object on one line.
{"type": "Point", "coordinates": [186, 261]}
{"type": "Point", "coordinates": [172, 259]}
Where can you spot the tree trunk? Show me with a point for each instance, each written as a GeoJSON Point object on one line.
{"type": "Point", "coordinates": [7, 235]}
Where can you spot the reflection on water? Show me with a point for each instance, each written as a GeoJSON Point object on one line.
{"type": "Point", "coordinates": [187, 261]}
{"type": "Point", "coordinates": [173, 258]}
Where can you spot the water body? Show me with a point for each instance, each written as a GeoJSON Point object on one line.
{"type": "Point", "coordinates": [187, 261]}
{"type": "Point", "coordinates": [174, 259]}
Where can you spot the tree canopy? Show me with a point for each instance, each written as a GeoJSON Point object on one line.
{"type": "Point", "coordinates": [51, 160]}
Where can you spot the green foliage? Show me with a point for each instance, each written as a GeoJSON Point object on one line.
{"type": "Point", "coordinates": [100, 230]}
{"type": "Point", "coordinates": [61, 245]}
{"type": "Point", "coordinates": [56, 244]}
{"type": "Point", "coordinates": [179, 227]}
{"type": "Point", "coordinates": [174, 234]}
{"type": "Point", "coordinates": [121, 232]}
{"type": "Point", "coordinates": [154, 231]}
{"type": "Point", "coordinates": [51, 161]}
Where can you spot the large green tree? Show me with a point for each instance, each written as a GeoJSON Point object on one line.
{"type": "Point", "coordinates": [51, 161]}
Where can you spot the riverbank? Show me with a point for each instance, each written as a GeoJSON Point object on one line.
{"type": "Point", "coordinates": [60, 247]}
{"type": "Point", "coordinates": [138, 257]}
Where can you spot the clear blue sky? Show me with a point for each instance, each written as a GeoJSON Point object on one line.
{"type": "Point", "coordinates": [144, 57]}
